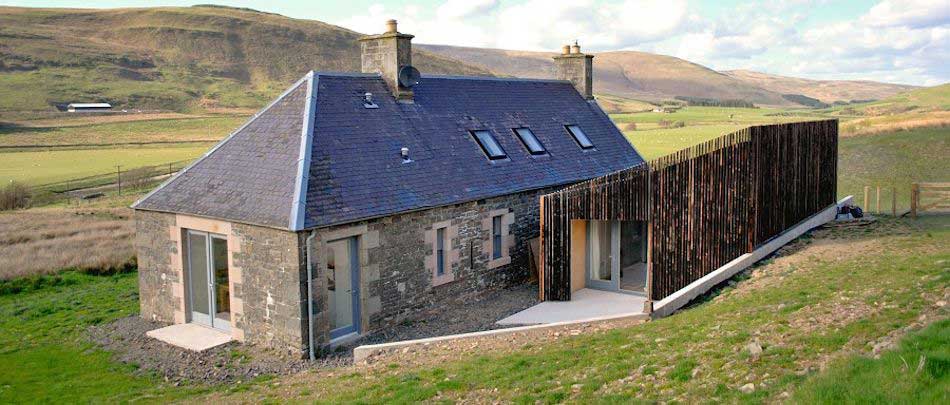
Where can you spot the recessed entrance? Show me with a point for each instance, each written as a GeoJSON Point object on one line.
{"type": "Point", "coordinates": [343, 293]}
{"type": "Point", "coordinates": [209, 293]}
{"type": "Point", "coordinates": [616, 256]}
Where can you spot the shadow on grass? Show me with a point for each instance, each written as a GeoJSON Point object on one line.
{"type": "Point", "coordinates": [10, 127]}
{"type": "Point", "coordinates": [60, 278]}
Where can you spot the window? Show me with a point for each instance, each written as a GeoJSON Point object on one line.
{"type": "Point", "coordinates": [530, 141]}
{"type": "Point", "coordinates": [496, 237]}
{"type": "Point", "coordinates": [580, 137]}
{"type": "Point", "coordinates": [440, 251]}
{"type": "Point", "coordinates": [489, 145]}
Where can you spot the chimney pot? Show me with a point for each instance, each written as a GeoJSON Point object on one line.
{"type": "Point", "coordinates": [386, 54]}
{"type": "Point", "coordinates": [575, 48]}
{"type": "Point", "coordinates": [565, 50]}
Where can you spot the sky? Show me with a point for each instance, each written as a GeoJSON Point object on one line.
{"type": "Point", "coordinates": [898, 41]}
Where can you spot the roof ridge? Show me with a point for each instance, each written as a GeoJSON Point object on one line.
{"type": "Point", "coordinates": [345, 74]}
{"type": "Point", "coordinates": [494, 78]}
{"type": "Point", "coordinates": [298, 207]}
{"type": "Point", "coordinates": [225, 140]}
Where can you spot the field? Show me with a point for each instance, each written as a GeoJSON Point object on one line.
{"type": "Point", "coordinates": [819, 318]}
{"type": "Point", "coordinates": [109, 130]}
{"type": "Point", "coordinates": [48, 166]}
{"type": "Point", "coordinates": [42, 241]}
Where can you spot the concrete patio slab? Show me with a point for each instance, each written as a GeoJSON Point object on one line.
{"type": "Point", "coordinates": [190, 336]}
{"type": "Point", "coordinates": [584, 304]}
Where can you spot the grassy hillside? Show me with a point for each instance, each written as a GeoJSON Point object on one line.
{"type": "Point", "coordinates": [814, 310]}
{"type": "Point", "coordinates": [827, 91]}
{"type": "Point", "coordinates": [630, 74]}
{"type": "Point", "coordinates": [170, 58]}
{"type": "Point", "coordinates": [926, 107]}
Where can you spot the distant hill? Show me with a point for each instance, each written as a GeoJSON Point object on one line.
{"type": "Point", "coordinates": [638, 75]}
{"type": "Point", "coordinates": [212, 57]}
{"type": "Point", "coordinates": [827, 91]}
{"type": "Point", "coordinates": [171, 58]}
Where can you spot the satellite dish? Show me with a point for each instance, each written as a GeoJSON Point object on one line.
{"type": "Point", "coordinates": [409, 76]}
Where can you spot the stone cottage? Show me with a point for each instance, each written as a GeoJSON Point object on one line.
{"type": "Point", "coordinates": [356, 199]}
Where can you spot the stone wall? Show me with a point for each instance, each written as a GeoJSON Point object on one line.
{"type": "Point", "coordinates": [273, 288]}
{"type": "Point", "coordinates": [396, 257]}
{"type": "Point", "coordinates": [265, 268]}
{"type": "Point", "coordinates": [158, 279]}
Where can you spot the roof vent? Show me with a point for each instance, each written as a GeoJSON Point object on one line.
{"type": "Point", "coordinates": [404, 152]}
{"type": "Point", "coordinates": [368, 101]}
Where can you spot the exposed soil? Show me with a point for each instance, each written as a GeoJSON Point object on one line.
{"type": "Point", "coordinates": [465, 315]}
{"type": "Point", "coordinates": [234, 362]}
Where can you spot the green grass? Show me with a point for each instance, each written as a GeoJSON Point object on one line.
{"type": "Point", "coordinates": [660, 142]}
{"type": "Point", "coordinates": [929, 98]}
{"type": "Point", "coordinates": [44, 351]}
{"type": "Point", "coordinates": [918, 371]}
{"type": "Point", "coordinates": [719, 115]}
{"type": "Point", "coordinates": [890, 160]}
{"type": "Point", "coordinates": [161, 130]}
{"type": "Point", "coordinates": [39, 167]}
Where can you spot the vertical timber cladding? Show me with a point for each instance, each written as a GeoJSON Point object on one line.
{"type": "Point", "coordinates": [621, 195]}
{"type": "Point", "coordinates": [796, 173]}
{"type": "Point", "coordinates": [706, 205]}
{"type": "Point", "coordinates": [701, 205]}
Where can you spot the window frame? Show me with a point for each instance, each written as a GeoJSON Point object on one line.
{"type": "Point", "coordinates": [578, 135]}
{"type": "Point", "coordinates": [527, 146]}
{"type": "Point", "coordinates": [485, 149]}
{"type": "Point", "coordinates": [497, 236]}
{"type": "Point", "coordinates": [440, 251]}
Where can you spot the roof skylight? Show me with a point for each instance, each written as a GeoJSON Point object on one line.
{"type": "Point", "coordinates": [580, 137]}
{"type": "Point", "coordinates": [489, 145]}
{"type": "Point", "coordinates": [530, 141]}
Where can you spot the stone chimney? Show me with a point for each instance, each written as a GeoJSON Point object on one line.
{"type": "Point", "coordinates": [576, 67]}
{"type": "Point", "coordinates": [385, 54]}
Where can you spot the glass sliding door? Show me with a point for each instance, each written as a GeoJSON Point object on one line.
{"type": "Point", "coordinates": [343, 286]}
{"type": "Point", "coordinates": [616, 256]}
{"type": "Point", "coordinates": [209, 294]}
{"type": "Point", "coordinates": [198, 282]}
{"type": "Point", "coordinates": [633, 266]}
{"type": "Point", "coordinates": [601, 269]}
{"type": "Point", "coordinates": [222, 288]}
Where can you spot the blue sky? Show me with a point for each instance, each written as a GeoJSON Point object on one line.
{"type": "Point", "coordinates": [903, 41]}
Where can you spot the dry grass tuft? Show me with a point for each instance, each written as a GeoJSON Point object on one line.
{"type": "Point", "coordinates": [43, 241]}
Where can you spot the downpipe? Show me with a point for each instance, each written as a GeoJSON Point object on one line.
{"type": "Point", "coordinates": [309, 246]}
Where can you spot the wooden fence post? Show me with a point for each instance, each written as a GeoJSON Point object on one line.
{"type": "Point", "coordinates": [914, 197]}
{"type": "Point", "coordinates": [867, 201]}
{"type": "Point", "coordinates": [877, 206]}
{"type": "Point", "coordinates": [894, 201]}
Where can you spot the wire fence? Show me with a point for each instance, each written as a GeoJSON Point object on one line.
{"type": "Point", "coordinates": [76, 190]}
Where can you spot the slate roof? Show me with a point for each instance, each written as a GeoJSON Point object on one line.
{"type": "Point", "coordinates": [351, 154]}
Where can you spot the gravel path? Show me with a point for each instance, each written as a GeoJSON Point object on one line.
{"type": "Point", "coordinates": [232, 362]}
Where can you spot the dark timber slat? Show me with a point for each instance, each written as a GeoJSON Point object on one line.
{"type": "Point", "coordinates": [706, 205]}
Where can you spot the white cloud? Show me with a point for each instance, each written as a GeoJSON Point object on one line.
{"type": "Point", "coordinates": [904, 41]}
{"type": "Point", "coordinates": [545, 25]}
{"type": "Point", "coordinates": [459, 9]}
{"type": "Point", "coordinates": [909, 13]}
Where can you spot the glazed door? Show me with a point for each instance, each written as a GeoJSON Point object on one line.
{"type": "Point", "coordinates": [209, 295]}
{"type": "Point", "coordinates": [603, 259]}
{"type": "Point", "coordinates": [343, 286]}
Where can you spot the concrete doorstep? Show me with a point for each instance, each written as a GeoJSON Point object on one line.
{"type": "Point", "coordinates": [190, 336]}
